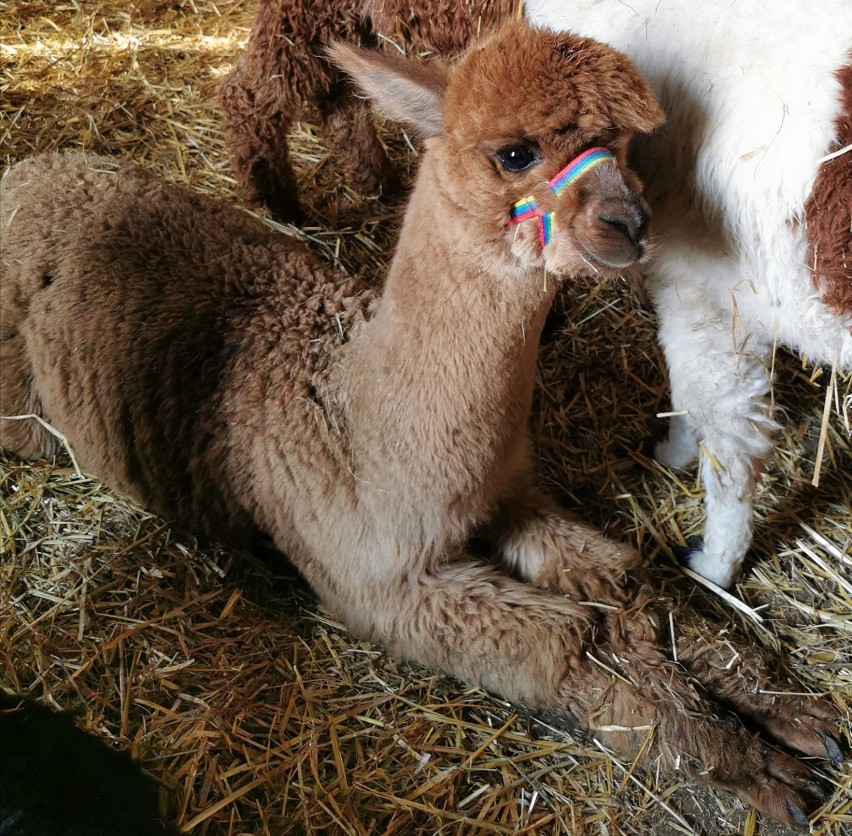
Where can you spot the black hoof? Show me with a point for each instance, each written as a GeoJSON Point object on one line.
{"type": "Point", "coordinates": [693, 544]}
{"type": "Point", "coordinates": [649, 445]}
{"type": "Point", "coordinates": [798, 814]}
{"type": "Point", "coordinates": [832, 750]}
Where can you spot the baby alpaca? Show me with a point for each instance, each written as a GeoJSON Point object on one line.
{"type": "Point", "coordinates": [285, 74]}
{"type": "Point", "coordinates": [217, 372]}
{"type": "Point", "coordinates": [755, 222]}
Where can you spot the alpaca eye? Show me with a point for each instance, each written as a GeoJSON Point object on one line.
{"type": "Point", "coordinates": [519, 157]}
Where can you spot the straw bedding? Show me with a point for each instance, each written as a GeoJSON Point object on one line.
{"type": "Point", "coordinates": [255, 711]}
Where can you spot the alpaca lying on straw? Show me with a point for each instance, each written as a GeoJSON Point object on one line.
{"type": "Point", "coordinates": [756, 231]}
{"type": "Point", "coordinates": [217, 372]}
{"type": "Point", "coordinates": [285, 75]}
{"type": "Point", "coordinates": [755, 219]}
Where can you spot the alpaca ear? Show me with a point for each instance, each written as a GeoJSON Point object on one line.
{"type": "Point", "coordinates": [632, 103]}
{"type": "Point", "coordinates": [404, 91]}
{"type": "Point", "coordinates": [639, 112]}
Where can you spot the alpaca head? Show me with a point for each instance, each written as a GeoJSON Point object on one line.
{"type": "Point", "coordinates": [508, 117]}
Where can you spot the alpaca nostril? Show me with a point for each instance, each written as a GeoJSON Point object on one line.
{"type": "Point", "coordinates": [631, 224]}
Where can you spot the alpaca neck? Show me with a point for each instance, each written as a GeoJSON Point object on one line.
{"type": "Point", "coordinates": [441, 378]}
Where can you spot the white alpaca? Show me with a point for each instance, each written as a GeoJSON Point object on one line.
{"type": "Point", "coordinates": [754, 96]}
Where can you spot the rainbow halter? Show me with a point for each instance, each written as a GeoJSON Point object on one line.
{"type": "Point", "coordinates": [528, 207]}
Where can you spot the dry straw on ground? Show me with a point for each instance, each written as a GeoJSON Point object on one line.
{"type": "Point", "coordinates": [254, 709]}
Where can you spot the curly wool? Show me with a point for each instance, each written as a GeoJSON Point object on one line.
{"type": "Point", "coordinates": [285, 75]}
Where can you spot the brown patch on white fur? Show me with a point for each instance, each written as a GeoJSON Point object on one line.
{"type": "Point", "coordinates": [828, 212]}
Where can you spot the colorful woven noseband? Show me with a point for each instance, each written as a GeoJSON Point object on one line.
{"type": "Point", "coordinates": [528, 207]}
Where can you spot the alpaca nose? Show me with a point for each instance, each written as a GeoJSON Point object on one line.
{"type": "Point", "coordinates": [630, 219]}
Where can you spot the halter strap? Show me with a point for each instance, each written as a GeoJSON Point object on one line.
{"type": "Point", "coordinates": [527, 207]}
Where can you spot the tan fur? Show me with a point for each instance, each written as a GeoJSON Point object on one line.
{"type": "Point", "coordinates": [224, 377]}
{"type": "Point", "coordinates": [828, 213]}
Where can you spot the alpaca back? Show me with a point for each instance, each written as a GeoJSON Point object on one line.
{"type": "Point", "coordinates": [199, 296]}
{"type": "Point", "coordinates": [287, 59]}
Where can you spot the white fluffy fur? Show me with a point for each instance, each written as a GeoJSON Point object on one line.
{"type": "Point", "coordinates": [751, 96]}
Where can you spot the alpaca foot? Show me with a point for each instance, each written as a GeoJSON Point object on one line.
{"type": "Point", "coordinates": [743, 678]}
{"type": "Point", "coordinates": [603, 588]}
{"type": "Point", "coordinates": [686, 731]}
{"type": "Point", "coordinates": [589, 573]}
{"type": "Point", "coordinates": [782, 788]}
{"type": "Point", "coordinates": [807, 725]}
{"type": "Point", "coordinates": [560, 553]}
{"type": "Point", "coordinates": [721, 569]}
{"type": "Point", "coordinates": [694, 543]}
{"type": "Point", "coordinates": [696, 709]}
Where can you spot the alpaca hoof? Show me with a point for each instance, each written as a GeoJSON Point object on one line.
{"type": "Point", "coordinates": [798, 815]}
{"type": "Point", "coordinates": [694, 543]}
{"type": "Point", "coordinates": [717, 570]}
{"type": "Point", "coordinates": [648, 446]}
{"type": "Point", "coordinates": [805, 725]}
{"type": "Point", "coordinates": [782, 788]}
{"type": "Point", "coordinates": [832, 749]}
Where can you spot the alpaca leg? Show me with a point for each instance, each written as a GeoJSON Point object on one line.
{"type": "Point", "coordinates": [722, 388]}
{"type": "Point", "coordinates": [350, 131]}
{"type": "Point", "coordinates": [548, 547]}
{"type": "Point", "coordinates": [741, 676]}
{"type": "Point", "coordinates": [21, 431]}
{"type": "Point", "coordinates": [24, 436]}
{"type": "Point", "coordinates": [551, 550]}
{"type": "Point", "coordinates": [680, 449]}
{"type": "Point", "coordinates": [547, 651]}
{"type": "Point", "coordinates": [15, 377]}
{"type": "Point", "coordinates": [256, 128]}
{"type": "Point", "coordinates": [695, 731]}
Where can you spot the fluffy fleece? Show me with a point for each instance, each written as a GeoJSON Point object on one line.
{"type": "Point", "coordinates": [756, 229]}
{"type": "Point", "coordinates": [285, 75]}
{"type": "Point", "coordinates": [221, 375]}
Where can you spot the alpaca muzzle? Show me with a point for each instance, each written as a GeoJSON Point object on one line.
{"type": "Point", "coordinates": [529, 207]}
{"type": "Point", "coordinates": [612, 224]}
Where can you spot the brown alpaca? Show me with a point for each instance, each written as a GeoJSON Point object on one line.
{"type": "Point", "coordinates": [285, 75]}
{"type": "Point", "coordinates": [217, 372]}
